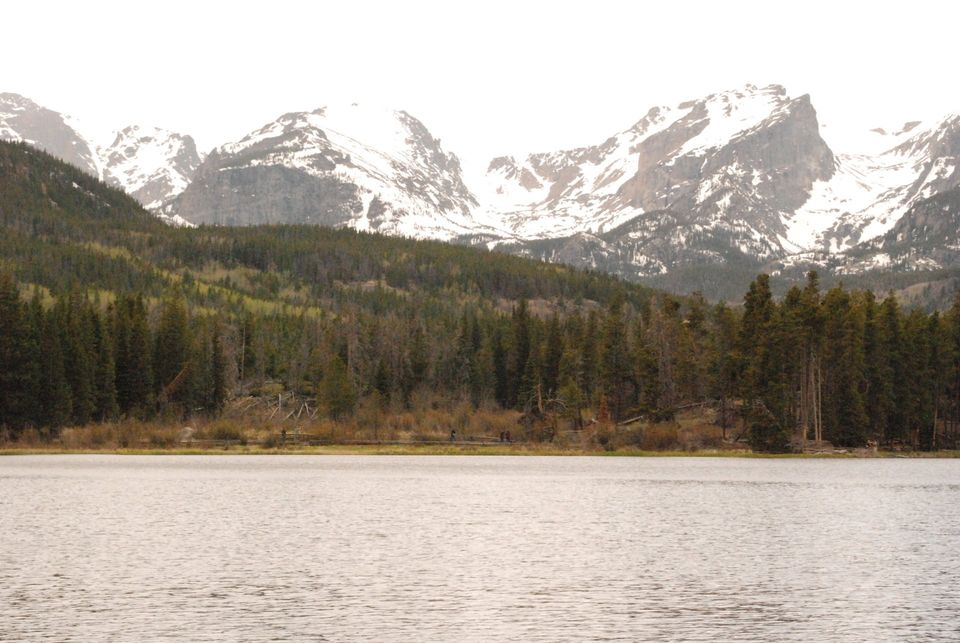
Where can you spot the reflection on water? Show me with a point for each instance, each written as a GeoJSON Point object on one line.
{"type": "Point", "coordinates": [486, 548]}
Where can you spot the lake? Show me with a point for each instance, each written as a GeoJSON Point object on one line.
{"type": "Point", "coordinates": [407, 548]}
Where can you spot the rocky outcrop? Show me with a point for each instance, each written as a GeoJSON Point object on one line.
{"type": "Point", "coordinates": [369, 169]}
{"type": "Point", "coordinates": [150, 164]}
{"type": "Point", "coordinates": [23, 120]}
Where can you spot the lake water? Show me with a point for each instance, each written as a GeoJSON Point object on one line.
{"type": "Point", "coordinates": [376, 548]}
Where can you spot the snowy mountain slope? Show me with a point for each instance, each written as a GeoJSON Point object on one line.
{"type": "Point", "coordinates": [742, 178]}
{"type": "Point", "coordinates": [357, 166]}
{"type": "Point", "coordinates": [150, 164]}
{"type": "Point", "coordinates": [735, 176]}
{"type": "Point", "coordinates": [23, 120]}
{"type": "Point", "coordinates": [871, 190]}
{"type": "Point", "coordinates": [727, 167]}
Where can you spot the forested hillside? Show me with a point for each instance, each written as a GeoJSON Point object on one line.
{"type": "Point", "coordinates": [106, 313]}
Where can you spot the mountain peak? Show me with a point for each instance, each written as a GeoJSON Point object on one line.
{"type": "Point", "coordinates": [151, 164]}
{"type": "Point", "coordinates": [352, 165]}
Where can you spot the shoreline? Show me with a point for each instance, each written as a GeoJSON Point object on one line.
{"type": "Point", "coordinates": [464, 450]}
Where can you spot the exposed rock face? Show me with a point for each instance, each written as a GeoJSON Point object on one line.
{"type": "Point", "coordinates": [743, 179]}
{"type": "Point", "coordinates": [703, 181]}
{"type": "Point", "coordinates": [369, 169]}
{"type": "Point", "coordinates": [150, 164]}
{"type": "Point", "coordinates": [223, 194]}
{"type": "Point", "coordinates": [927, 236]}
{"type": "Point", "coordinates": [23, 120]}
{"type": "Point", "coordinates": [872, 190]}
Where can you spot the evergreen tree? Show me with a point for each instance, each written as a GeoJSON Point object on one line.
{"type": "Point", "coordinates": [79, 358]}
{"type": "Point", "coordinates": [844, 415]}
{"type": "Point", "coordinates": [105, 388]}
{"type": "Point", "coordinates": [878, 372]}
{"type": "Point", "coordinates": [171, 346]}
{"type": "Point", "coordinates": [589, 355]}
{"type": "Point", "coordinates": [724, 360]}
{"type": "Point", "coordinates": [15, 384]}
{"type": "Point", "coordinates": [552, 355]}
{"type": "Point", "coordinates": [892, 347]}
{"type": "Point", "coordinates": [132, 340]}
{"type": "Point", "coordinates": [55, 399]}
{"type": "Point", "coordinates": [520, 356]}
{"type": "Point", "coordinates": [501, 387]}
{"type": "Point", "coordinates": [337, 394]}
{"type": "Point", "coordinates": [615, 367]}
{"type": "Point", "coordinates": [218, 371]}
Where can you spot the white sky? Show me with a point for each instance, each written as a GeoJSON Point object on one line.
{"type": "Point", "coordinates": [487, 77]}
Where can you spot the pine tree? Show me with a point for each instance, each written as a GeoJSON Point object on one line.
{"type": "Point", "coordinates": [171, 347]}
{"type": "Point", "coordinates": [218, 371]}
{"type": "Point", "coordinates": [589, 357]}
{"type": "Point", "coordinates": [724, 360]}
{"type": "Point", "coordinates": [337, 395]}
{"type": "Point", "coordinates": [615, 367]}
{"type": "Point", "coordinates": [761, 379]}
{"type": "Point", "coordinates": [647, 373]}
{"type": "Point", "coordinates": [132, 340]}
{"type": "Point", "coordinates": [756, 336]}
{"type": "Point", "coordinates": [15, 385]}
{"type": "Point", "coordinates": [892, 346]}
{"type": "Point", "coordinates": [878, 372]}
{"type": "Point", "coordinates": [845, 419]}
{"type": "Point", "coordinates": [553, 353]}
{"type": "Point", "coordinates": [80, 361]}
{"type": "Point", "coordinates": [105, 407]}
{"type": "Point", "coordinates": [520, 356]}
{"type": "Point", "coordinates": [56, 401]}
{"type": "Point", "coordinates": [501, 386]}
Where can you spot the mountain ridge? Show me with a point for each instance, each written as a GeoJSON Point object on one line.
{"type": "Point", "coordinates": [741, 177]}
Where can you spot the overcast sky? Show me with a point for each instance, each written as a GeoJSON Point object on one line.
{"type": "Point", "coordinates": [486, 77]}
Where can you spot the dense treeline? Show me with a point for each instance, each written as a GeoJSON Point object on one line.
{"type": "Point", "coordinates": [76, 362]}
{"type": "Point", "coordinates": [107, 313]}
{"type": "Point", "coordinates": [838, 366]}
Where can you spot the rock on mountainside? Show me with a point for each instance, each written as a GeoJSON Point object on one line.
{"type": "Point", "coordinates": [366, 168]}
{"type": "Point", "coordinates": [707, 180]}
{"type": "Point", "coordinates": [738, 178]}
{"type": "Point", "coordinates": [876, 183]}
{"type": "Point", "coordinates": [739, 181]}
{"type": "Point", "coordinates": [23, 120]}
{"type": "Point", "coordinates": [927, 237]}
{"type": "Point", "coordinates": [150, 164]}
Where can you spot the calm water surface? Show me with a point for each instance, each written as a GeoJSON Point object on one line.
{"type": "Point", "coordinates": [478, 549]}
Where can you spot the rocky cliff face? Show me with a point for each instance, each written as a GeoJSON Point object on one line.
{"type": "Point", "coordinates": [23, 120]}
{"type": "Point", "coordinates": [746, 179]}
{"type": "Point", "coordinates": [703, 181]}
{"type": "Point", "coordinates": [150, 164]}
{"type": "Point", "coordinates": [354, 166]}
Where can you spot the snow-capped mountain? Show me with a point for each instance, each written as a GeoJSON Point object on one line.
{"type": "Point", "coordinates": [23, 120]}
{"type": "Point", "coordinates": [737, 177]}
{"type": "Point", "coordinates": [357, 166]}
{"type": "Point", "coordinates": [150, 164]}
{"type": "Point", "coordinates": [705, 180]}
{"type": "Point", "coordinates": [746, 179]}
{"type": "Point", "coordinates": [876, 183]}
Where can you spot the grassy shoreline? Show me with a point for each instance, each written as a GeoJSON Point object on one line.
{"type": "Point", "coordinates": [455, 450]}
